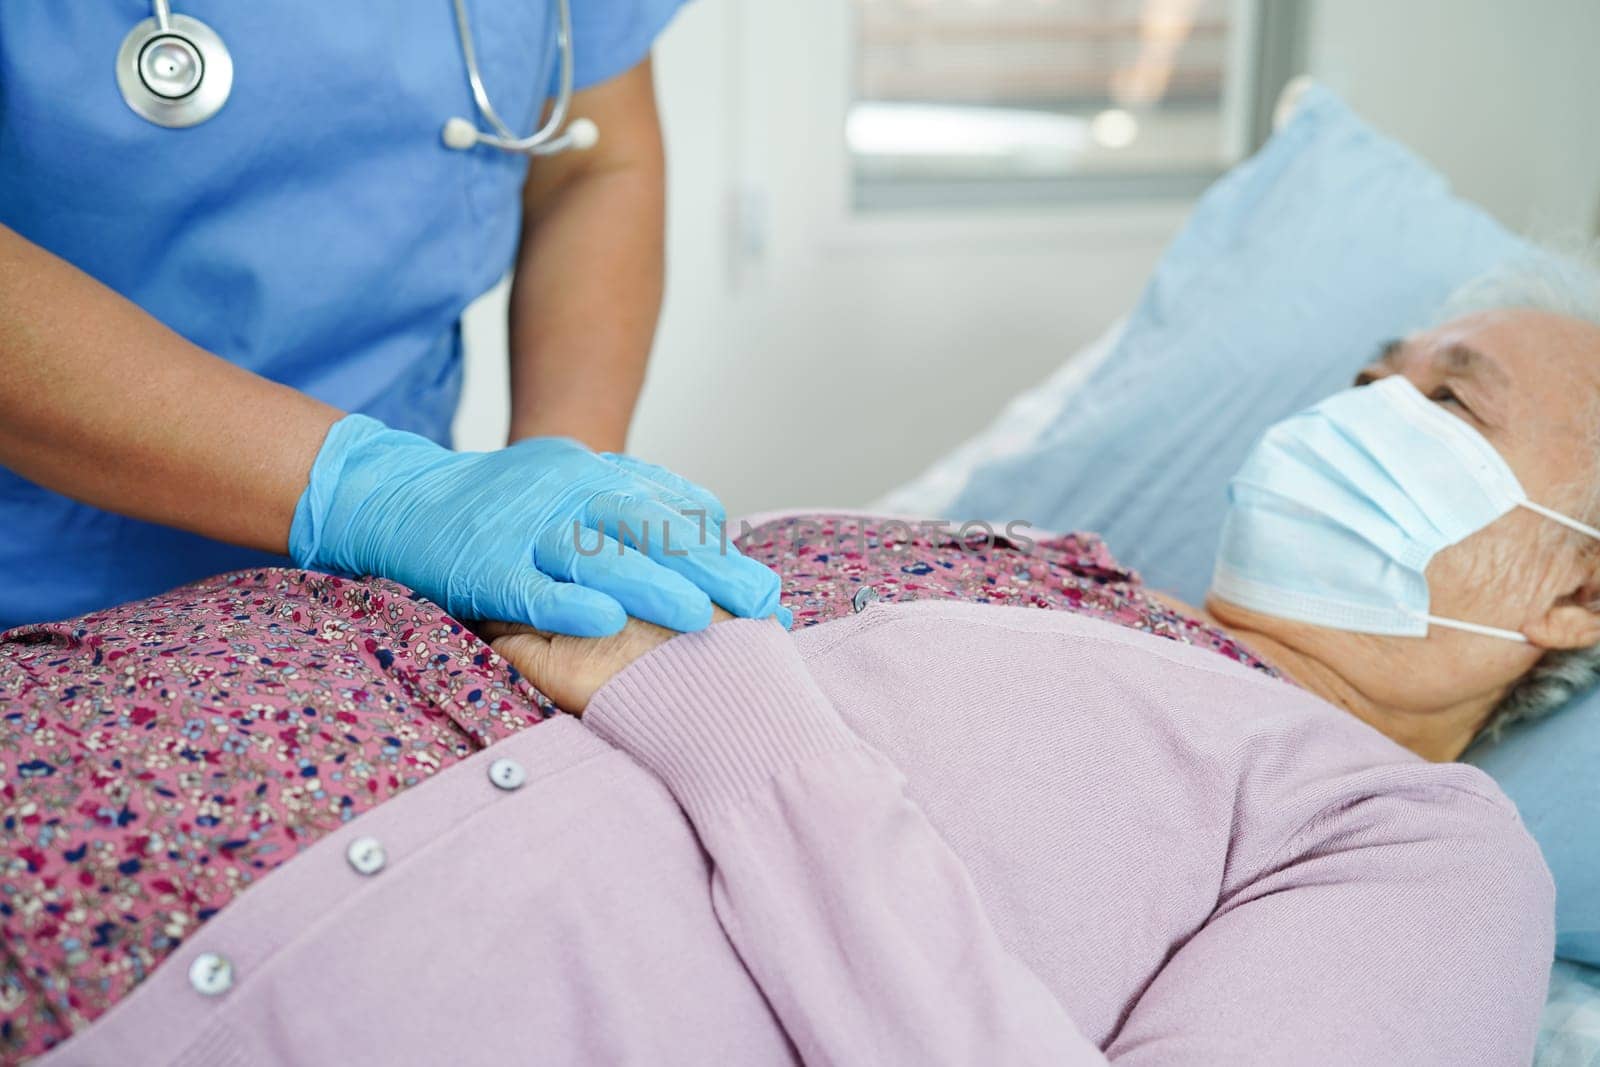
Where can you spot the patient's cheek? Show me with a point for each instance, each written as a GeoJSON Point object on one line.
{"type": "Point", "coordinates": [1490, 576]}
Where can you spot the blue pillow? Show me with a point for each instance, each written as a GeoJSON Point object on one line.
{"type": "Point", "coordinates": [1292, 272]}
{"type": "Point", "coordinates": [1551, 770]}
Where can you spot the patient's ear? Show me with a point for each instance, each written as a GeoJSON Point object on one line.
{"type": "Point", "coordinates": [1571, 622]}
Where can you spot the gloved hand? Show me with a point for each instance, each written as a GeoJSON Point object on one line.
{"type": "Point", "coordinates": [543, 532]}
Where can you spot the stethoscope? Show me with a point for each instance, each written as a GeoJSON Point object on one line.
{"type": "Point", "coordinates": [175, 71]}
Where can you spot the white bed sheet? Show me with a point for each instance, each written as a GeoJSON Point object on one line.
{"type": "Point", "coordinates": [1569, 1033]}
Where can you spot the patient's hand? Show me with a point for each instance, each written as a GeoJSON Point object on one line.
{"type": "Point", "coordinates": [570, 670]}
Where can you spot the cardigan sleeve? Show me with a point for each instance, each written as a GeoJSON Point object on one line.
{"type": "Point", "coordinates": [856, 920]}
{"type": "Point", "coordinates": [866, 934]}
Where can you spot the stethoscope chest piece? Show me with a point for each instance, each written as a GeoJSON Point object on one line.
{"type": "Point", "coordinates": [177, 74]}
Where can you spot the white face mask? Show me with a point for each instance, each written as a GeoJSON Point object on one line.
{"type": "Point", "coordinates": [1335, 514]}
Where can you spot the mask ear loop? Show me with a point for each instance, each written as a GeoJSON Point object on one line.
{"type": "Point", "coordinates": [1474, 628]}
{"type": "Point", "coordinates": [1565, 520]}
{"type": "Point", "coordinates": [1494, 631]}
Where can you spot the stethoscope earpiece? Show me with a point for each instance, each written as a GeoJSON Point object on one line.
{"type": "Point", "coordinates": [460, 134]}
{"type": "Point", "coordinates": [579, 136]}
{"type": "Point", "coordinates": [583, 134]}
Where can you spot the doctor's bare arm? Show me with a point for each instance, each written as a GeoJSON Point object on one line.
{"type": "Point", "coordinates": [101, 402]}
{"type": "Point", "coordinates": [589, 274]}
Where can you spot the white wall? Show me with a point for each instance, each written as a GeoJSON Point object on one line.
{"type": "Point", "coordinates": [1502, 95]}
{"type": "Point", "coordinates": [804, 360]}
{"type": "Point", "coordinates": [834, 362]}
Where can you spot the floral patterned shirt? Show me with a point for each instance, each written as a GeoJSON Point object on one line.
{"type": "Point", "coordinates": [160, 757]}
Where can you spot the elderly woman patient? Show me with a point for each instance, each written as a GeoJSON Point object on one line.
{"type": "Point", "coordinates": [283, 817]}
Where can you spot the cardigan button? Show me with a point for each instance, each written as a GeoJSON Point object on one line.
{"type": "Point", "coordinates": [864, 596]}
{"type": "Point", "coordinates": [507, 774]}
{"type": "Point", "coordinates": [211, 974]}
{"type": "Point", "coordinates": [366, 855]}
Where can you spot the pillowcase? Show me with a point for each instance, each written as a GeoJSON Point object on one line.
{"type": "Point", "coordinates": [1293, 271]}
{"type": "Point", "coordinates": [1551, 770]}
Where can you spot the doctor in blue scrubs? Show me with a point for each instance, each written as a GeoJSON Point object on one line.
{"type": "Point", "coordinates": [230, 330]}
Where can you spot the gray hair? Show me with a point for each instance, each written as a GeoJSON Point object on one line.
{"type": "Point", "coordinates": [1564, 283]}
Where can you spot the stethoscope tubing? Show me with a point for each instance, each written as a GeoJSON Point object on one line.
{"type": "Point", "coordinates": [538, 142]}
{"type": "Point", "coordinates": [199, 46]}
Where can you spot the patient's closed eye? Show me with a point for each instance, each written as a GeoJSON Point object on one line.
{"type": "Point", "coordinates": [1445, 395]}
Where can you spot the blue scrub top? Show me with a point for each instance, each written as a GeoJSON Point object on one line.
{"type": "Point", "coordinates": [315, 230]}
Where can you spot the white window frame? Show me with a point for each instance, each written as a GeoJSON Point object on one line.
{"type": "Point", "coordinates": [795, 72]}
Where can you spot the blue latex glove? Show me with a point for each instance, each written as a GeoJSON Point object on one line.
{"type": "Point", "coordinates": [527, 534]}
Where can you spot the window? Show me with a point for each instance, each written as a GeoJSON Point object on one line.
{"type": "Point", "coordinates": [991, 101]}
